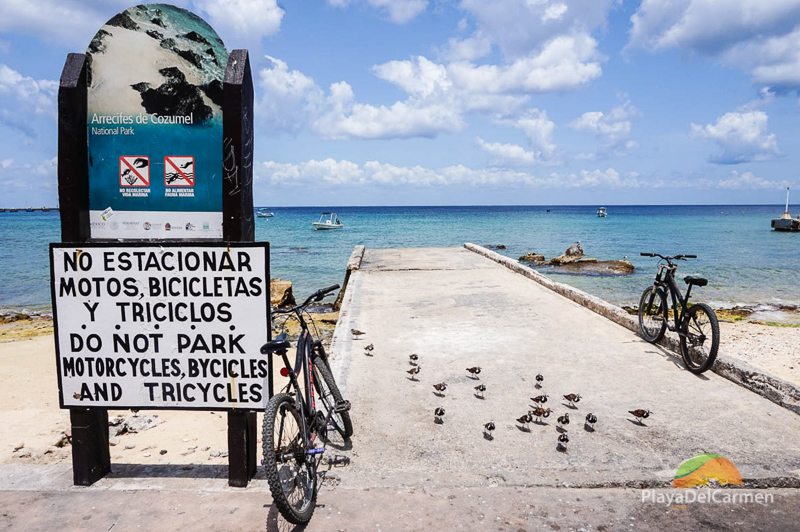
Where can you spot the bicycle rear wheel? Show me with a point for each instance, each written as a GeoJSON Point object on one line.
{"type": "Point", "coordinates": [651, 314]}
{"type": "Point", "coordinates": [329, 395]}
{"type": "Point", "coordinates": [699, 338]}
{"type": "Point", "coordinates": [291, 473]}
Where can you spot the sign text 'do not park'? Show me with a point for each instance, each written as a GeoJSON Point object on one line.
{"type": "Point", "coordinates": [150, 326]}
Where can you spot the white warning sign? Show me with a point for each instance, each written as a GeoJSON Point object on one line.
{"type": "Point", "coordinates": [179, 171]}
{"type": "Point", "coordinates": [134, 171]}
{"type": "Point", "coordinates": [161, 326]}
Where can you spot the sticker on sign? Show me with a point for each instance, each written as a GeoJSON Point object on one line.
{"type": "Point", "coordinates": [161, 326]}
{"type": "Point", "coordinates": [179, 171]}
{"type": "Point", "coordinates": [134, 171]}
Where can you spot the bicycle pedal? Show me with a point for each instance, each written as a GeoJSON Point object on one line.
{"type": "Point", "coordinates": [342, 407]}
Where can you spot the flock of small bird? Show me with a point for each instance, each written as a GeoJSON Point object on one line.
{"type": "Point", "coordinates": [536, 414]}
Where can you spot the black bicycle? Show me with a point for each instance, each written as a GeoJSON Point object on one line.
{"type": "Point", "coordinates": [295, 423]}
{"type": "Point", "coordinates": [697, 325]}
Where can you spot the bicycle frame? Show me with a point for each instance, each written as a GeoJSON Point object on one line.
{"type": "Point", "coordinates": [665, 278]}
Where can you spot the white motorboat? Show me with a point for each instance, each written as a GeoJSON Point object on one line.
{"type": "Point", "coordinates": [602, 212]}
{"type": "Point", "coordinates": [264, 214]}
{"type": "Point", "coordinates": [328, 220]}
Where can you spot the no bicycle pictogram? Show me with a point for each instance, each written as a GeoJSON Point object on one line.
{"type": "Point", "coordinates": [179, 171]}
{"type": "Point", "coordinates": [134, 171]}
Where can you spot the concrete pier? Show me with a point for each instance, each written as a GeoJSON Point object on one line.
{"type": "Point", "coordinates": [458, 309]}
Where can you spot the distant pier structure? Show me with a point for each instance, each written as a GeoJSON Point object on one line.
{"type": "Point", "coordinates": [28, 209]}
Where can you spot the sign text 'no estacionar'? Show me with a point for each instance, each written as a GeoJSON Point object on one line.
{"type": "Point", "coordinates": [161, 326]}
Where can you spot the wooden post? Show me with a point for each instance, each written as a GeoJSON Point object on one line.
{"type": "Point", "coordinates": [91, 458]}
{"type": "Point", "coordinates": [238, 225]}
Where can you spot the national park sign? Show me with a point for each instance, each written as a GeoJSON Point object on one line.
{"type": "Point", "coordinates": [154, 119]}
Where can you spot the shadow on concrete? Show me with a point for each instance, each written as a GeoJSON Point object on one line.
{"type": "Point", "coordinates": [211, 471]}
{"type": "Point", "coordinates": [276, 522]}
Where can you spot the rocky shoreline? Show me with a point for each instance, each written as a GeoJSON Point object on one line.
{"type": "Point", "coordinates": [574, 261]}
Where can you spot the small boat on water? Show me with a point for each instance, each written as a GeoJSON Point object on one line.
{"type": "Point", "coordinates": [602, 212]}
{"type": "Point", "coordinates": [328, 220]}
{"type": "Point", "coordinates": [264, 214]}
{"type": "Point", "coordinates": [786, 222]}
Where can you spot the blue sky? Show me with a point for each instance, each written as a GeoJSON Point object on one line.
{"type": "Point", "coordinates": [391, 102]}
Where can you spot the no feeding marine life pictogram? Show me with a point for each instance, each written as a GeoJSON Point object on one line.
{"type": "Point", "coordinates": [134, 171]}
{"type": "Point", "coordinates": [179, 171]}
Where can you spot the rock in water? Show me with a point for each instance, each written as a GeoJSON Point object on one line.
{"type": "Point", "coordinates": [280, 293]}
{"type": "Point", "coordinates": [572, 254]}
{"type": "Point", "coordinates": [575, 250]}
{"type": "Point", "coordinates": [533, 257]}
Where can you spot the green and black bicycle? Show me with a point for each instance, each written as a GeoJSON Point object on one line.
{"type": "Point", "coordinates": [696, 324]}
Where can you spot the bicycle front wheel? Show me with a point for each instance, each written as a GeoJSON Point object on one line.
{"type": "Point", "coordinates": [652, 307]}
{"type": "Point", "coordinates": [329, 395]}
{"type": "Point", "coordinates": [291, 473]}
{"type": "Point", "coordinates": [699, 338]}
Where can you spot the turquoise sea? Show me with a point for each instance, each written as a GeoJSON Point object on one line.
{"type": "Point", "coordinates": [745, 262]}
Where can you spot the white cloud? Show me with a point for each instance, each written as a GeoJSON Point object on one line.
{"type": "Point", "coordinates": [749, 181]}
{"type": "Point", "coordinates": [761, 37]}
{"type": "Point", "coordinates": [347, 173]}
{"type": "Point", "coordinates": [28, 105]}
{"type": "Point", "coordinates": [467, 49]}
{"type": "Point", "coordinates": [741, 137]}
{"type": "Point", "coordinates": [421, 77]}
{"type": "Point", "coordinates": [14, 175]}
{"type": "Point", "coordinates": [345, 118]}
{"type": "Point", "coordinates": [507, 154]}
{"type": "Point", "coordinates": [243, 20]}
{"type": "Point", "coordinates": [538, 128]}
{"type": "Point", "coordinates": [566, 62]}
{"type": "Point", "coordinates": [286, 98]}
{"type": "Point", "coordinates": [399, 11]}
{"type": "Point", "coordinates": [520, 27]}
{"type": "Point", "coordinates": [612, 128]}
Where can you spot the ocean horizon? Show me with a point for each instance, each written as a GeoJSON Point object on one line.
{"type": "Point", "coordinates": [746, 263]}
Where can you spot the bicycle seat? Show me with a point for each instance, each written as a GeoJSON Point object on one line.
{"type": "Point", "coordinates": [699, 281]}
{"type": "Point", "coordinates": [280, 343]}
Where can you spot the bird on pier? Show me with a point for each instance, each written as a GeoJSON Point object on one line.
{"type": "Point", "coordinates": [356, 332]}
{"type": "Point", "coordinates": [479, 389]}
{"type": "Point", "coordinates": [573, 398]}
{"type": "Point", "coordinates": [437, 415]}
{"type": "Point", "coordinates": [441, 387]}
{"type": "Point", "coordinates": [488, 428]}
{"type": "Point", "coordinates": [540, 399]}
{"type": "Point", "coordinates": [370, 347]}
{"type": "Point", "coordinates": [591, 419]}
{"type": "Point", "coordinates": [563, 420]}
{"type": "Point", "coordinates": [539, 380]}
{"type": "Point", "coordinates": [640, 414]}
{"type": "Point", "coordinates": [474, 371]}
{"type": "Point", "coordinates": [540, 412]}
{"type": "Point", "coordinates": [412, 359]}
{"type": "Point", "coordinates": [524, 420]}
{"type": "Point", "coordinates": [563, 438]}
{"type": "Point", "coordinates": [414, 372]}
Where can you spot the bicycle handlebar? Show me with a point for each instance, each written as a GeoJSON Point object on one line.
{"type": "Point", "coordinates": [668, 258]}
